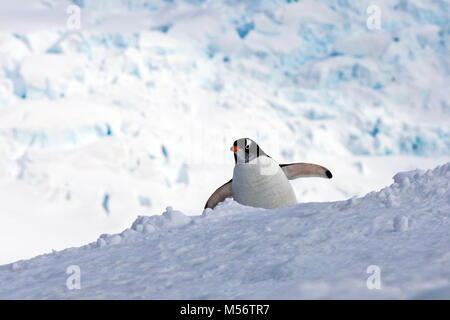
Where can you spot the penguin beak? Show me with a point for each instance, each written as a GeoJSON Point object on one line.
{"type": "Point", "coordinates": [234, 149]}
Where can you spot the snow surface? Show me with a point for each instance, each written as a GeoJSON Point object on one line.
{"type": "Point", "coordinates": [137, 109]}
{"type": "Point", "coordinates": [306, 251]}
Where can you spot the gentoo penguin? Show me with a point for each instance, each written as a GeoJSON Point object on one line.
{"type": "Point", "coordinates": [259, 181]}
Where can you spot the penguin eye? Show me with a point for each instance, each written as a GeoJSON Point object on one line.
{"type": "Point", "coordinates": [247, 146]}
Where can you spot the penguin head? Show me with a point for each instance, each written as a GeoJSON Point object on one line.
{"type": "Point", "coordinates": [246, 150]}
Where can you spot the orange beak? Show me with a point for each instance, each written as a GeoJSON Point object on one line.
{"type": "Point", "coordinates": [234, 149]}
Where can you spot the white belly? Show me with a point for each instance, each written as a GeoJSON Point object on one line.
{"type": "Point", "coordinates": [257, 186]}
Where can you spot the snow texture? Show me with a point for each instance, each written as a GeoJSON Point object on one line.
{"type": "Point", "coordinates": [305, 251]}
{"type": "Point", "coordinates": [137, 109]}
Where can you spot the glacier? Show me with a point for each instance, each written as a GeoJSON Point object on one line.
{"type": "Point", "coordinates": [140, 105]}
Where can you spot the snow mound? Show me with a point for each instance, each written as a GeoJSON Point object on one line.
{"type": "Point", "coordinates": [227, 207]}
{"type": "Point", "coordinates": [411, 188]}
{"type": "Point", "coordinates": [306, 251]}
{"type": "Point", "coordinates": [145, 225]}
{"type": "Point", "coordinates": [169, 219]}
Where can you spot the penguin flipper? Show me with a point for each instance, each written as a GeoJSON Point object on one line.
{"type": "Point", "coordinates": [304, 170]}
{"type": "Point", "coordinates": [219, 195]}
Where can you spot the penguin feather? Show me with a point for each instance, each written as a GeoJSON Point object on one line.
{"type": "Point", "coordinates": [305, 170]}
{"type": "Point", "coordinates": [223, 192]}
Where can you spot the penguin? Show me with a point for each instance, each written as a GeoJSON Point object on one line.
{"type": "Point", "coordinates": [259, 181]}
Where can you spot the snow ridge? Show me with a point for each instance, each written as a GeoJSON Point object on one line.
{"type": "Point", "coordinates": [411, 188]}
{"type": "Point", "coordinates": [310, 250]}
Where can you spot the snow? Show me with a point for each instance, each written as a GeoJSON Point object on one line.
{"type": "Point", "coordinates": [128, 115]}
{"type": "Point", "coordinates": [322, 250]}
